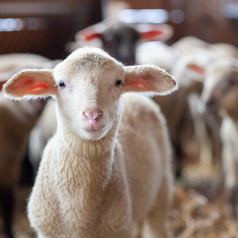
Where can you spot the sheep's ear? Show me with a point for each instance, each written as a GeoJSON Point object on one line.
{"type": "Point", "coordinates": [148, 78]}
{"type": "Point", "coordinates": [196, 72]}
{"type": "Point", "coordinates": [90, 33]}
{"type": "Point", "coordinates": [30, 84]}
{"type": "Point", "coordinates": [152, 32]}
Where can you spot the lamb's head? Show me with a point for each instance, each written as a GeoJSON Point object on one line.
{"type": "Point", "coordinates": [87, 86]}
{"type": "Point", "coordinates": [221, 85]}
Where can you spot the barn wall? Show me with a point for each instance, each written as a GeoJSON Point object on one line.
{"type": "Point", "coordinates": [60, 19]}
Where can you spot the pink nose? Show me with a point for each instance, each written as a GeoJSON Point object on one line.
{"type": "Point", "coordinates": [92, 115]}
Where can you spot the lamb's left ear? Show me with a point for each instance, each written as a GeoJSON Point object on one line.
{"type": "Point", "coordinates": [30, 83]}
{"type": "Point", "coordinates": [149, 78]}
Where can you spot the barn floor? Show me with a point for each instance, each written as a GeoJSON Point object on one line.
{"type": "Point", "coordinates": [198, 210]}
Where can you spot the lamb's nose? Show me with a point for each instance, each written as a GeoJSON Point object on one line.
{"type": "Point", "coordinates": [93, 115]}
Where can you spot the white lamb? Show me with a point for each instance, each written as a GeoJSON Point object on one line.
{"type": "Point", "coordinates": [106, 172]}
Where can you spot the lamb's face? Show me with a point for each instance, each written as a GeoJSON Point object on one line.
{"type": "Point", "coordinates": [120, 42]}
{"type": "Point", "coordinates": [221, 88]}
{"type": "Point", "coordinates": [89, 87]}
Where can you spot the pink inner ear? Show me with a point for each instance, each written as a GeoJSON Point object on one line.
{"type": "Point", "coordinates": [150, 35]}
{"type": "Point", "coordinates": [87, 36]}
{"type": "Point", "coordinates": [196, 68]}
{"type": "Point", "coordinates": [29, 87]}
{"type": "Point", "coordinates": [140, 85]}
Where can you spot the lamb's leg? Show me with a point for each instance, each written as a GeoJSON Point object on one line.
{"type": "Point", "coordinates": [6, 207]}
{"type": "Point", "coordinates": [233, 197]}
{"type": "Point", "coordinates": [155, 225]}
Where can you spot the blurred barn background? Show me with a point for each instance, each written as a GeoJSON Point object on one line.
{"type": "Point", "coordinates": [52, 29]}
{"type": "Point", "coordinates": [44, 27]}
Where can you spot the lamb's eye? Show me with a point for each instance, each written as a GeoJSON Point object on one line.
{"type": "Point", "coordinates": [118, 83]}
{"type": "Point", "coordinates": [62, 84]}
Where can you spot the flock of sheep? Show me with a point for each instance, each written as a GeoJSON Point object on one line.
{"type": "Point", "coordinates": [106, 168]}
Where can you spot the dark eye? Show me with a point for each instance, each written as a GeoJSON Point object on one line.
{"type": "Point", "coordinates": [62, 84]}
{"type": "Point", "coordinates": [118, 83]}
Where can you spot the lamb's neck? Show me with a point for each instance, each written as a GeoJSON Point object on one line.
{"type": "Point", "coordinates": [88, 149]}
{"type": "Point", "coordinates": [88, 161]}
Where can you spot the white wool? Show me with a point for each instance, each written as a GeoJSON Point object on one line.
{"type": "Point", "coordinates": [107, 169]}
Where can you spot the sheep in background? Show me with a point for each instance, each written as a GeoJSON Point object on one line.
{"type": "Point", "coordinates": [188, 43]}
{"type": "Point", "coordinates": [14, 62]}
{"type": "Point", "coordinates": [120, 40]}
{"type": "Point", "coordinates": [188, 68]}
{"type": "Point", "coordinates": [221, 93]}
{"type": "Point", "coordinates": [157, 53]}
{"type": "Point", "coordinates": [166, 56]}
{"type": "Point", "coordinates": [223, 50]}
{"type": "Point", "coordinates": [117, 38]}
{"type": "Point", "coordinates": [207, 125]}
{"type": "Point", "coordinates": [169, 57]}
{"type": "Point", "coordinates": [177, 118]}
{"type": "Point", "coordinates": [94, 181]}
{"type": "Point", "coordinates": [17, 118]}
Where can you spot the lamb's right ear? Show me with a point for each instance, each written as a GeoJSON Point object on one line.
{"type": "Point", "coordinates": [30, 83]}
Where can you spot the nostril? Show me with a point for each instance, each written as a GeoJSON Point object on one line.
{"type": "Point", "coordinates": [211, 105]}
{"type": "Point", "coordinates": [92, 115]}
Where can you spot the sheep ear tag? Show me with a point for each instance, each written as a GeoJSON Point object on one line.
{"type": "Point", "coordinates": [151, 32]}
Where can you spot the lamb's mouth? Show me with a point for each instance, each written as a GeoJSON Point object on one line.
{"type": "Point", "coordinates": [93, 129]}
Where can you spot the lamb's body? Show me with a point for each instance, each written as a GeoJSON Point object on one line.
{"type": "Point", "coordinates": [96, 181]}
{"type": "Point", "coordinates": [80, 178]}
